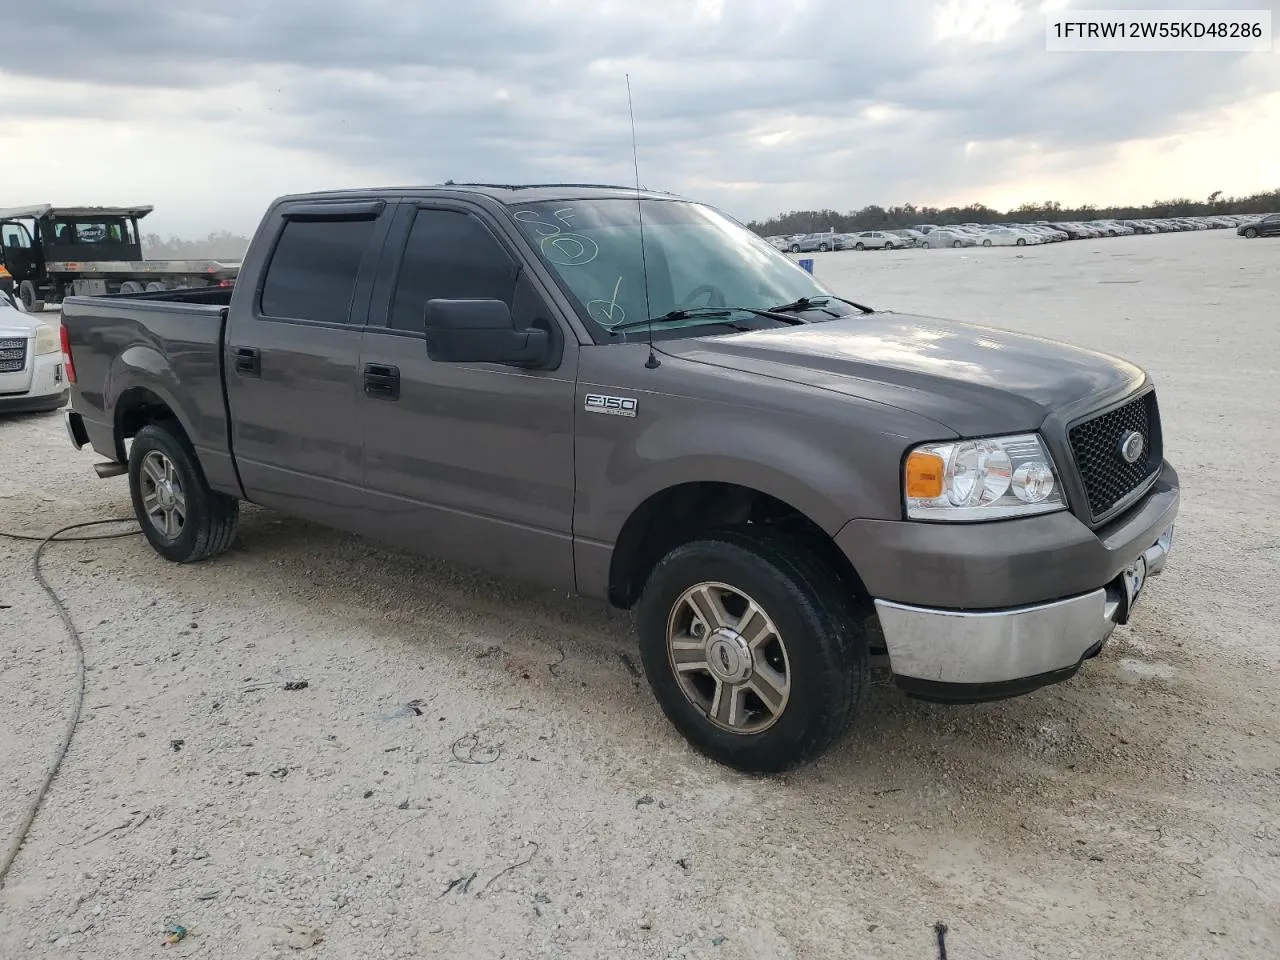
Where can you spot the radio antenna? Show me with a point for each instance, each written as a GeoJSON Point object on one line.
{"type": "Point", "coordinates": [653, 362]}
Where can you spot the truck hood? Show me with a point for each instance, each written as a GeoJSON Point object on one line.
{"type": "Point", "coordinates": [973, 379]}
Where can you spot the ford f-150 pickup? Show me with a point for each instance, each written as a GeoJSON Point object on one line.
{"type": "Point", "coordinates": [629, 395]}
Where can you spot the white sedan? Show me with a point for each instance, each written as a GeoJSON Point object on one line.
{"type": "Point", "coordinates": [874, 240]}
{"type": "Point", "coordinates": [1007, 237]}
{"type": "Point", "coordinates": [31, 373]}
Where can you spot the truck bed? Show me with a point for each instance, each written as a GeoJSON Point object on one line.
{"type": "Point", "coordinates": [155, 342]}
{"type": "Point", "coordinates": [115, 268]}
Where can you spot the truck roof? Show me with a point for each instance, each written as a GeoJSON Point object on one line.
{"type": "Point", "coordinates": [39, 210]}
{"type": "Point", "coordinates": [508, 193]}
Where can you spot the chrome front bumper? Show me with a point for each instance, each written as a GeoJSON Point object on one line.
{"type": "Point", "coordinates": [929, 646]}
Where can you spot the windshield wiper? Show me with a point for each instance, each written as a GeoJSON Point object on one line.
{"type": "Point", "coordinates": [690, 313]}
{"type": "Point", "coordinates": [817, 303]}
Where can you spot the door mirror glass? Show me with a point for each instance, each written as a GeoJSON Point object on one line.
{"type": "Point", "coordinates": [481, 331]}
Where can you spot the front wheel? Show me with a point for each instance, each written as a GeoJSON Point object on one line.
{"type": "Point", "coordinates": [182, 517]}
{"type": "Point", "coordinates": [795, 248]}
{"type": "Point", "coordinates": [859, 246]}
{"type": "Point", "coordinates": [1251, 233]}
{"type": "Point", "coordinates": [1022, 241]}
{"type": "Point", "coordinates": [823, 247]}
{"type": "Point", "coordinates": [752, 650]}
{"type": "Point", "coordinates": [957, 244]}
{"type": "Point", "coordinates": [31, 301]}
{"type": "Point", "coordinates": [986, 243]}
{"type": "Point", "coordinates": [924, 244]}
{"type": "Point", "coordinates": [889, 246]}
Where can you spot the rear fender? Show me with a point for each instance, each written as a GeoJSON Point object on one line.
{"type": "Point", "coordinates": [143, 366]}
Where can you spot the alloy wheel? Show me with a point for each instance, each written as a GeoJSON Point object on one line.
{"type": "Point", "coordinates": [729, 658]}
{"type": "Point", "coordinates": [163, 498]}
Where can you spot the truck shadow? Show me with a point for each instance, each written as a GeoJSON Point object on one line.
{"type": "Point", "coordinates": [1070, 729]}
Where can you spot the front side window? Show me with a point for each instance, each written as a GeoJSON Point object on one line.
{"type": "Point", "coordinates": [694, 257]}
{"type": "Point", "coordinates": [14, 235]}
{"type": "Point", "coordinates": [449, 256]}
{"type": "Point", "coordinates": [314, 268]}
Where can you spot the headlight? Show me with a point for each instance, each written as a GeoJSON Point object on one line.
{"type": "Point", "coordinates": [47, 340]}
{"type": "Point", "coordinates": [988, 479]}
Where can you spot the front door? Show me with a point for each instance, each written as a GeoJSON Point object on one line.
{"type": "Point", "coordinates": [292, 363]}
{"type": "Point", "coordinates": [470, 462]}
{"type": "Point", "coordinates": [21, 258]}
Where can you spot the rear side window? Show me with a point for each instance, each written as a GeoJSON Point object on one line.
{"type": "Point", "coordinates": [313, 271]}
{"type": "Point", "coordinates": [449, 256]}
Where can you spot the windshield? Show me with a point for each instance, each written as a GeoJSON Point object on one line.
{"type": "Point", "coordinates": [695, 257]}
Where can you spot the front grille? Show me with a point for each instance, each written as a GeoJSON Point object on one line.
{"type": "Point", "coordinates": [1096, 443]}
{"type": "Point", "coordinates": [13, 354]}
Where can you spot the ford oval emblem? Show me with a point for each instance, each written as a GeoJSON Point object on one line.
{"type": "Point", "coordinates": [1132, 444]}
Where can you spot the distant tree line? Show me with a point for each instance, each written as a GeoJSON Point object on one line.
{"type": "Point", "coordinates": [220, 245]}
{"type": "Point", "coordinates": [888, 218]}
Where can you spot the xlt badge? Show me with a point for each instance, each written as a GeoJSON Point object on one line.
{"type": "Point", "coordinates": [611, 406]}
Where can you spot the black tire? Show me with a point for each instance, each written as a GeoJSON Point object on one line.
{"type": "Point", "coordinates": [890, 246]}
{"type": "Point", "coordinates": [924, 244]}
{"type": "Point", "coordinates": [795, 248]}
{"type": "Point", "coordinates": [209, 524]}
{"type": "Point", "coordinates": [859, 246]}
{"type": "Point", "coordinates": [826, 650]}
{"type": "Point", "coordinates": [823, 247]}
{"type": "Point", "coordinates": [1251, 233]}
{"type": "Point", "coordinates": [31, 301]}
{"type": "Point", "coordinates": [986, 243]}
{"type": "Point", "coordinates": [1022, 241]}
{"type": "Point", "coordinates": [958, 243]}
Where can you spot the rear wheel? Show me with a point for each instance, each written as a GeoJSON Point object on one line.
{"type": "Point", "coordinates": [131, 287]}
{"type": "Point", "coordinates": [182, 517]}
{"type": "Point", "coordinates": [986, 243]}
{"type": "Point", "coordinates": [1022, 241]}
{"type": "Point", "coordinates": [31, 301]}
{"type": "Point", "coordinates": [957, 244]}
{"type": "Point", "coordinates": [752, 649]}
{"type": "Point", "coordinates": [823, 247]}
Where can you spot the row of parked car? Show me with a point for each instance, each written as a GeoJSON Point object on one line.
{"type": "Point", "coordinates": [1019, 234]}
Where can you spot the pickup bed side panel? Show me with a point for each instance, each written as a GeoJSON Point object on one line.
{"type": "Point", "coordinates": [693, 423]}
{"type": "Point", "coordinates": [126, 349]}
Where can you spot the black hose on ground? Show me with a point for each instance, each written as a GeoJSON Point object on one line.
{"type": "Point", "coordinates": [56, 537]}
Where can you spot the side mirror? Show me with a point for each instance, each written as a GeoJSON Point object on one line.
{"type": "Point", "coordinates": [481, 331]}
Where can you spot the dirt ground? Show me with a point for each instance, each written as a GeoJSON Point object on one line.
{"type": "Point", "coordinates": [475, 769]}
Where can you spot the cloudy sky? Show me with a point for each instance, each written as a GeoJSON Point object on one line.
{"type": "Point", "coordinates": [209, 110]}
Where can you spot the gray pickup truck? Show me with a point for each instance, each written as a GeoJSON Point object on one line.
{"type": "Point", "coordinates": [633, 397]}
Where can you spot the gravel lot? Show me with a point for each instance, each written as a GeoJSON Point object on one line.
{"type": "Point", "coordinates": [454, 726]}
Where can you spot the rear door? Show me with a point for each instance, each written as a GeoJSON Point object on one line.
{"type": "Point", "coordinates": [292, 359]}
{"type": "Point", "coordinates": [470, 462]}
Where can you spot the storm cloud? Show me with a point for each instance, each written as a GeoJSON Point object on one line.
{"type": "Point", "coordinates": [754, 105]}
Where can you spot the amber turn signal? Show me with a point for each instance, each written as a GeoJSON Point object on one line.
{"type": "Point", "coordinates": [924, 475]}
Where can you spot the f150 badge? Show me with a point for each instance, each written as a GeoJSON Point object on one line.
{"type": "Point", "coordinates": [611, 406]}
